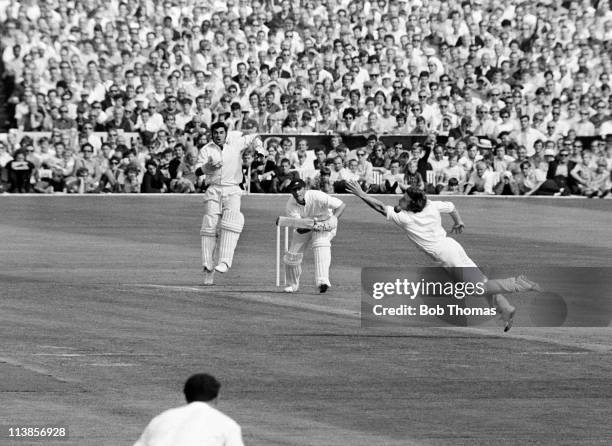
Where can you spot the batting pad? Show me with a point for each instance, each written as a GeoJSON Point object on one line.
{"type": "Point", "coordinates": [293, 268]}
{"type": "Point", "coordinates": [232, 223]}
{"type": "Point", "coordinates": [321, 247]}
{"type": "Point", "coordinates": [208, 233]}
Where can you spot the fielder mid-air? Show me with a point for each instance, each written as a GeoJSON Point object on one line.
{"type": "Point", "coordinates": [221, 161]}
{"type": "Point", "coordinates": [421, 219]}
{"type": "Point", "coordinates": [325, 211]}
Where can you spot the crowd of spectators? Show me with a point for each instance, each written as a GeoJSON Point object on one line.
{"type": "Point", "coordinates": [513, 97]}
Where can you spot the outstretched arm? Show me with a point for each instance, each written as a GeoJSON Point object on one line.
{"type": "Point", "coordinates": [354, 188]}
{"type": "Point", "coordinates": [458, 226]}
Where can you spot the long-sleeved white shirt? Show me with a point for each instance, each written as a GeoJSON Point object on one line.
{"type": "Point", "coordinates": [230, 173]}
{"type": "Point", "coordinates": [317, 204]}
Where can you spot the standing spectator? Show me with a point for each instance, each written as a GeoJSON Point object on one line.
{"type": "Point", "coordinates": [196, 423]}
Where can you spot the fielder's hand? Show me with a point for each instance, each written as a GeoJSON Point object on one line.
{"type": "Point", "coordinates": [457, 228]}
{"type": "Point", "coordinates": [354, 188]}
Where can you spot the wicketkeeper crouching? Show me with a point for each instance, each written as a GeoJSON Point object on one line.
{"type": "Point", "coordinates": [324, 210]}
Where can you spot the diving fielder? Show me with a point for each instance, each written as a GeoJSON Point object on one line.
{"type": "Point", "coordinates": [421, 219]}
{"type": "Point", "coordinates": [221, 161]}
{"type": "Point", "coordinates": [325, 211]}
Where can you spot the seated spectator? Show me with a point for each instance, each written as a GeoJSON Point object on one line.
{"type": "Point", "coordinates": [53, 182]}
{"type": "Point", "coordinates": [412, 177]}
{"type": "Point", "coordinates": [113, 178]}
{"type": "Point", "coordinates": [529, 179]}
{"type": "Point", "coordinates": [90, 164]}
{"type": "Point", "coordinates": [438, 163]}
{"type": "Point", "coordinates": [601, 181]}
{"type": "Point", "coordinates": [132, 182]}
{"type": "Point", "coordinates": [283, 177]}
{"type": "Point", "coordinates": [481, 181]}
{"type": "Point", "coordinates": [336, 167]}
{"type": "Point", "coordinates": [393, 181]}
{"type": "Point", "coordinates": [377, 158]}
{"type": "Point", "coordinates": [323, 182]}
{"type": "Point", "coordinates": [305, 168]}
{"type": "Point", "coordinates": [81, 183]}
{"type": "Point", "coordinates": [501, 161]}
{"type": "Point", "coordinates": [583, 174]}
{"type": "Point", "coordinates": [453, 171]}
{"type": "Point", "coordinates": [451, 188]}
{"type": "Point", "coordinates": [20, 172]}
{"type": "Point", "coordinates": [153, 182]}
{"type": "Point", "coordinates": [349, 173]}
{"type": "Point", "coordinates": [507, 185]}
{"type": "Point", "coordinates": [559, 180]}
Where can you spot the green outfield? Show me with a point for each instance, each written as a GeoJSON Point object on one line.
{"type": "Point", "coordinates": [102, 318]}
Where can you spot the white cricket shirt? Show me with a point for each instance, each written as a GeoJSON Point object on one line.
{"type": "Point", "coordinates": [230, 173]}
{"type": "Point", "coordinates": [423, 228]}
{"type": "Point", "coordinates": [318, 204]}
{"type": "Point", "coordinates": [196, 424]}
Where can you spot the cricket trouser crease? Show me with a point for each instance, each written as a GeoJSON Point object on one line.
{"type": "Point", "coordinates": [321, 248]}
{"type": "Point", "coordinates": [232, 223]}
{"type": "Point", "coordinates": [293, 267]}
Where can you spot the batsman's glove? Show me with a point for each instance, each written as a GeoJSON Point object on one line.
{"type": "Point", "coordinates": [327, 225]}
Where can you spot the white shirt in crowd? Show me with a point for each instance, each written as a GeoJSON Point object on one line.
{"type": "Point", "coordinates": [317, 204]}
{"type": "Point", "coordinates": [423, 228]}
{"type": "Point", "coordinates": [195, 424]}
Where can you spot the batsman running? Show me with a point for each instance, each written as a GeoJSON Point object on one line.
{"type": "Point", "coordinates": [324, 210]}
{"type": "Point", "coordinates": [421, 219]}
{"type": "Point", "coordinates": [221, 162]}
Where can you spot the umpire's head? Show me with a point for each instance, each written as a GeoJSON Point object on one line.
{"type": "Point", "coordinates": [201, 387]}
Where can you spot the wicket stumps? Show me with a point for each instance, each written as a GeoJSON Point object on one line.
{"type": "Point", "coordinates": [282, 225]}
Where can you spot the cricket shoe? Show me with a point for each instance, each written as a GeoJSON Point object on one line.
{"type": "Point", "coordinates": [508, 319]}
{"type": "Point", "coordinates": [209, 277]}
{"type": "Point", "coordinates": [323, 288]}
{"type": "Point", "coordinates": [524, 284]}
{"type": "Point", "coordinates": [506, 311]}
{"type": "Point", "coordinates": [291, 289]}
{"type": "Point", "coordinates": [222, 267]}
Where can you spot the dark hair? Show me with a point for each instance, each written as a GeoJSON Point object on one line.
{"type": "Point", "coordinates": [418, 199]}
{"type": "Point", "coordinates": [218, 125]}
{"type": "Point", "coordinates": [201, 387]}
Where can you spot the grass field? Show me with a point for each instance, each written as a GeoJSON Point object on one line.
{"type": "Point", "coordinates": [103, 318]}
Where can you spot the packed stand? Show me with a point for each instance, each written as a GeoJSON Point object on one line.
{"type": "Point", "coordinates": [511, 98]}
